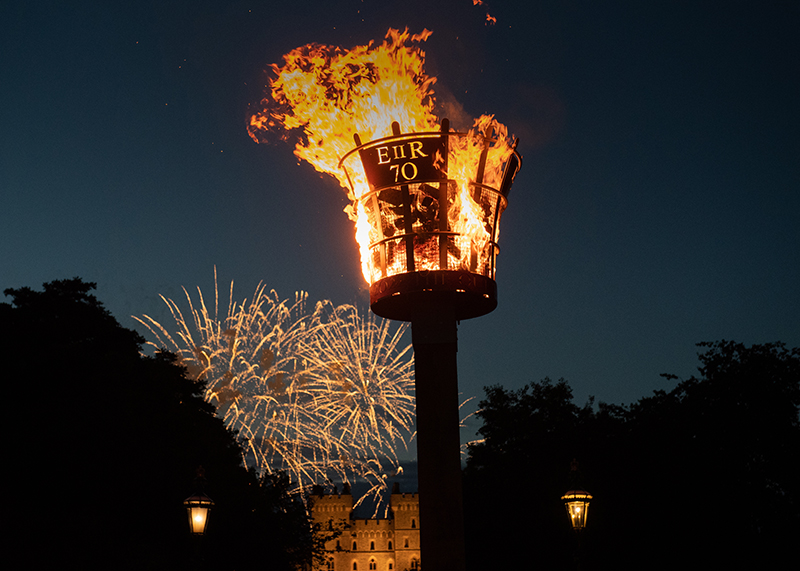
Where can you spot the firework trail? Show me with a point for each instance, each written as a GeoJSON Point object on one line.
{"type": "Point", "coordinates": [323, 393]}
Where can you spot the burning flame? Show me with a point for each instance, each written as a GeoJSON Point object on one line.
{"type": "Point", "coordinates": [489, 18]}
{"type": "Point", "coordinates": [329, 95]}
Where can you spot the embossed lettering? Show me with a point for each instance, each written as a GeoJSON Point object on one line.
{"type": "Point", "coordinates": [383, 155]}
{"type": "Point", "coordinates": [408, 170]}
{"type": "Point", "coordinates": [412, 173]}
{"type": "Point", "coordinates": [416, 149]}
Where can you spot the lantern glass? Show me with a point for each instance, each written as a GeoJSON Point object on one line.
{"type": "Point", "coordinates": [197, 508]}
{"type": "Point", "coordinates": [577, 504]}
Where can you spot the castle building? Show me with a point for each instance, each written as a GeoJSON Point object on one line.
{"type": "Point", "coordinates": [369, 544]}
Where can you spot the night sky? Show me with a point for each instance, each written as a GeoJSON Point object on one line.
{"type": "Point", "coordinates": [657, 205]}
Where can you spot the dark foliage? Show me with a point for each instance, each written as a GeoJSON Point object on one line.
{"type": "Point", "coordinates": [708, 472]}
{"type": "Point", "coordinates": [106, 443]}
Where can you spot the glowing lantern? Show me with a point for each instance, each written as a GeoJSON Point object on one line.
{"type": "Point", "coordinates": [429, 207]}
{"type": "Point", "coordinates": [198, 506]}
{"type": "Point", "coordinates": [577, 504]}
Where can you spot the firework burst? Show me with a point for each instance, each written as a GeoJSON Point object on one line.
{"type": "Point", "coordinates": [323, 393]}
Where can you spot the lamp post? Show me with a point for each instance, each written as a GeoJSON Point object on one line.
{"type": "Point", "coordinates": [431, 260]}
{"type": "Point", "coordinates": [198, 506]}
{"type": "Point", "coordinates": [576, 500]}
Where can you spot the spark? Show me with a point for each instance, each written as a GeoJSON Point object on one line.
{"type": "Point", "coordinates": [322, 392]}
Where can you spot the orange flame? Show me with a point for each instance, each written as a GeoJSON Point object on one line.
{"type": "Point", "coordinates": [330, 94]}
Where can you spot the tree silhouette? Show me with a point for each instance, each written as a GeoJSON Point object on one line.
{"type": "Point", "coordinates": [708, 472]}
{"type": "Point", "coordinates": [106, 444]}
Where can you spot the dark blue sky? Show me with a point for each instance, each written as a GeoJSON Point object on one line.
{"type": "Point", "coordinates": [657, 204]}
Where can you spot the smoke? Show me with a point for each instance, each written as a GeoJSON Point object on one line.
{"type": "Point", "coordinates": [447, 106]}
{"type": "Point", "coordinates": [538, 114]}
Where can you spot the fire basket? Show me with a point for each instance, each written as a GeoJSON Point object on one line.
{"type": "Point", "coordinates": [432, 235]}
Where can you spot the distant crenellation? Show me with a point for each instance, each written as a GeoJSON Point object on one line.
{"type": "Point", "coordinates": [369, 544]}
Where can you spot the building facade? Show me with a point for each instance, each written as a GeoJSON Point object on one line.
{"type": "Point", "coordinates": [374, 544]}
